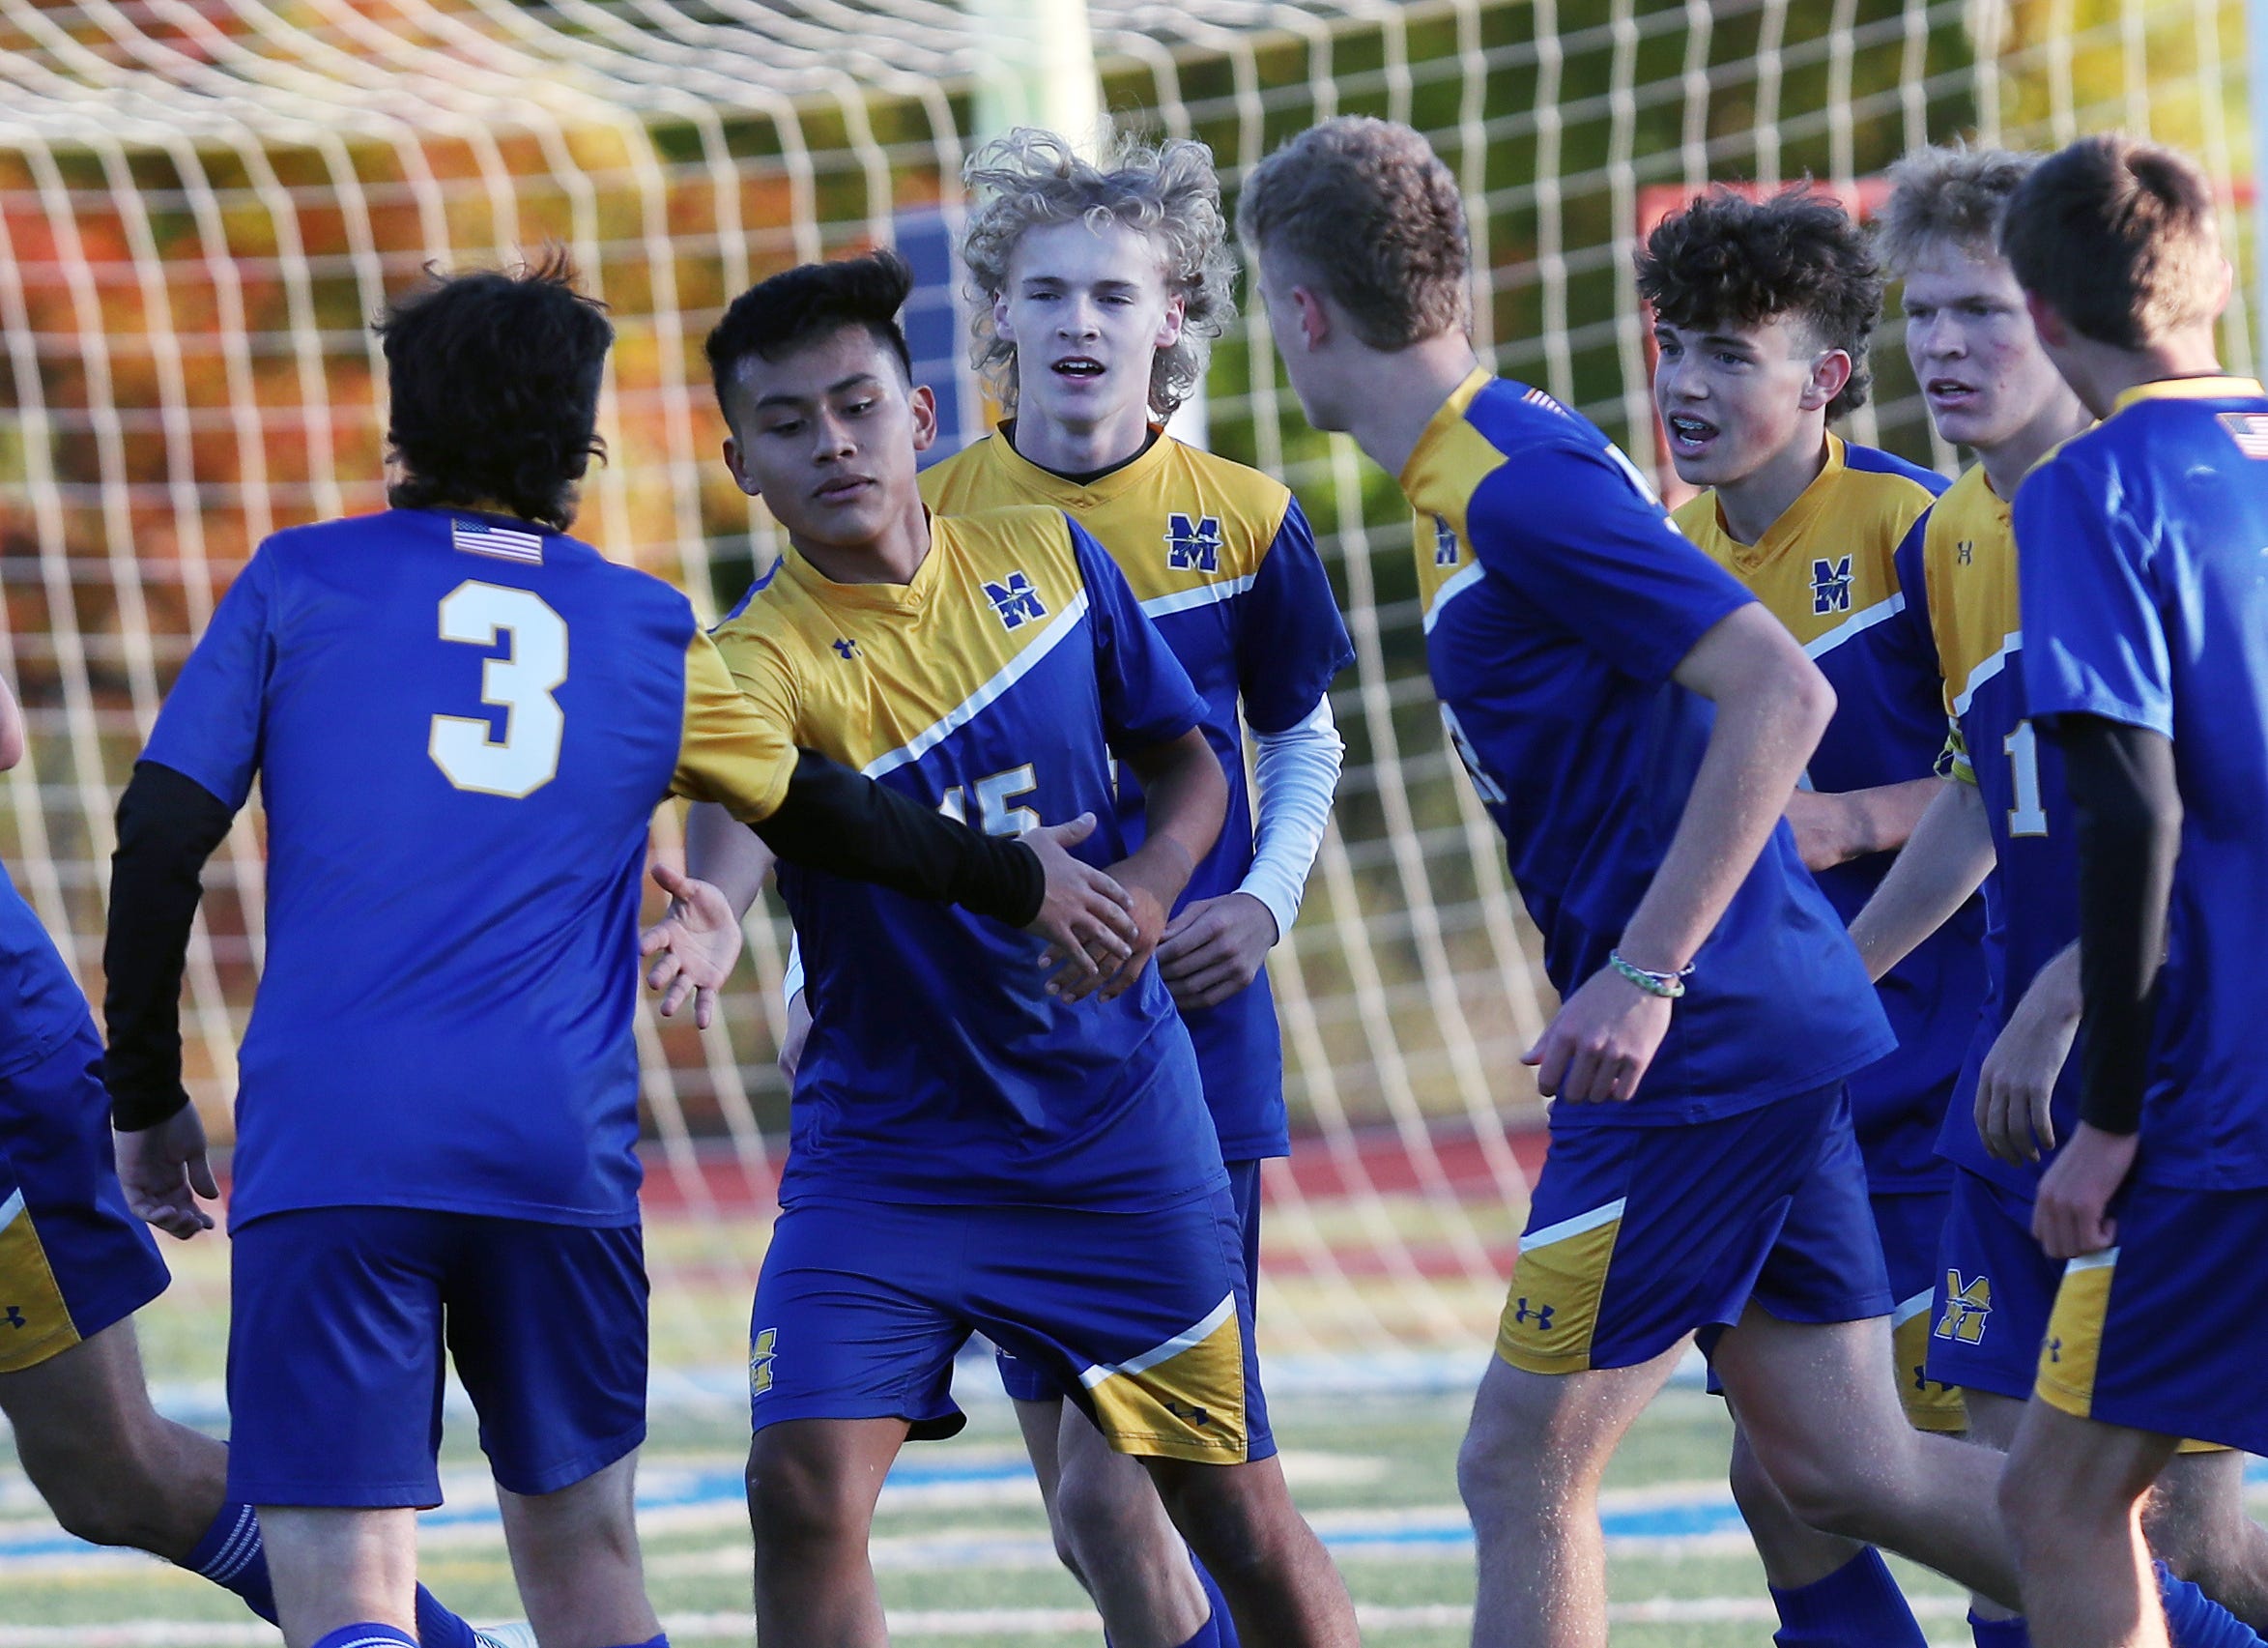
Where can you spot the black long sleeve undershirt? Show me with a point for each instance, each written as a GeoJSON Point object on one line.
{"type": "Point", "coordinates": [835, 819]}
{"type": "Point", "coordinates": [2128, 802]}
{"type": "Point", "coordinates": [168, 825]}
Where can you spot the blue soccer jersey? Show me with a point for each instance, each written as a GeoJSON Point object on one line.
{"type": "Point", "coordinates": [1969, 570]}
{"type": "Point", "coordinates": [1224, 562]}
{"type": "Point", "coordinates": [994, 685]}
{"type": "Point", "coordinates": [1838, 569]}
{"type": "Point", "coordinates": [1559, 599]}
{"type": "Point", "coordinates": [2156, 616]}
{"type": "Point", "coordinates": [461, 726]}
{"type": "Point", "coordinates": [39, 1002]}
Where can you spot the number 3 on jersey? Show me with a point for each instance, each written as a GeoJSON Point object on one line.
{"type": "Point", "coordinates": [519, 684]}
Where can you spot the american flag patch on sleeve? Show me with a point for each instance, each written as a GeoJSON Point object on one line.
{"type": "Point", "coordinates": [478, 538]}
{"type": "Point", "coordinates": [2249, 430]}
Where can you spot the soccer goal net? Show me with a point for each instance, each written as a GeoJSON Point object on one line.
{"type": "Point", "coordinates": [201, 206]}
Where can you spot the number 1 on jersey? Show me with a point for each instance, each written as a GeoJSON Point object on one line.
{"type": "Point", "coordinates": [2027, 816]}
{"type": "Point", "coordinates": [519, 684]}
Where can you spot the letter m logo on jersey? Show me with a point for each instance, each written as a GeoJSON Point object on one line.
{"type": "Point", "coordinates": [1193, 545]}
{"type": "Point", "coordinates": [1830, 587]}
{"type": "Point", "coordinates": [1445, 543]}
{"type": "Point", "coordinates": [1968, 1303]}
{"type": "Point", "coordinates": [1016, 602]}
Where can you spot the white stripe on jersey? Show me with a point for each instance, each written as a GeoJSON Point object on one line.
{"type": "Point", "coordinates": [1203, 596]}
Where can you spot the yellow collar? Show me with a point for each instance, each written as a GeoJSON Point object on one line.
{"type": "Point", "coordinates": [2189, 389]}
{"type": "Point", "coordinates": [1438, 426]}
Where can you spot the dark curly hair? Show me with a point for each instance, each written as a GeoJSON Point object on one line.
{"type": "Point", "coordinates": [776, 317]}
{"type": "Point", "coordinates": [494, 382]}
{"type": "Point", "coordinates": [1729, 258]}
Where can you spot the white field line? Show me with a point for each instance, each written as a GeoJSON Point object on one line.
{"type": "Point", "coordinates": [930, 1622]}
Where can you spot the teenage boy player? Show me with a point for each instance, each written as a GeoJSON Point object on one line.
{"type": "Point", "coordinates": [1100, 288]}
{"type": "Point", "coordinates": [1702, 1173]}
{"type": "Point", "coordinates": [1990, 386]}
{"type": "Point", "coordinates": [462, 720]}
{"type": "Point", "coordinates": [1762, 315]}
{"type": "Point", "coordinates": [968, 1154]}
{"type": "Point", "coordinates": [2145, 623]}
{"type": "Point", "coordinates": [76, 1264]}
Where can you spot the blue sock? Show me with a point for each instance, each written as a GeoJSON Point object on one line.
{"type": "Point", "coordinates": [1219, 1631]}
{"type": "Point", "coordinates": [437, 1626]}
{"type": "Point", "coordinates": [369, 1636]}
{"type": "Point", "coordinates": [1858, 1603]}
{"type": "Point", "coordinates": [232, 1556]}
{"type": "Point", "coordinates": [661, 1641]}
{"type": "Point", "coordinates": [2194, 1620]}
{"type": "Point", "coordinates": [2000, 1632]}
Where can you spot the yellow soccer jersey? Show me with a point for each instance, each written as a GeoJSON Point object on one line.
{"type": "Point", "coordinates": [1969, 574]}
{"type": "Point", "coordinates": [1223, 561]}
{"type": "Point", "coordinates": [1827, 568]}
{"type": "Point", "coordinates": [994, 685]}
{"type": "Point", "coordinates": [1205, 523]}
{"type": "Point", "coordinates": [1840, 569]}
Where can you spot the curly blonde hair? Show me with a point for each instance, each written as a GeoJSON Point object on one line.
{"type": "Point", "coordinates": [1031, 177]}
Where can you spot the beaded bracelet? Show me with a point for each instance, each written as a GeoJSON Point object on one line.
{"type": "Point", "coordinates": [1669, 984]}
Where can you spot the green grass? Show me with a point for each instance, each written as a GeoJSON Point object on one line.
{"type": "Point", "coordinates": [1356, 1462]}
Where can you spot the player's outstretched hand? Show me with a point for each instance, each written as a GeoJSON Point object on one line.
{"type": "Point", "coordinates": [2070, 1215]}
{"type": "Point", "coordinates": [1214, 948]}
{"type": "Point", "coordinates": [2017, 1085]}
{"type": "Point", "coordinates": [1598, 1044]}
{"type": "Point", "coordinates": [164, 1170]}
{"type": "Point", "coordinates": [1086, 917]}
{"type": "Point", "coordinates": [694, 944]}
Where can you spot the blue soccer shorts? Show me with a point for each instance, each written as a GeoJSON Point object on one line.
{"type": "Point", "coordinates": [1140, 1317]}
{"type": "Point", "coordinates": [1995, 1288]}
{"type": "Point", "coordinates": [1024, 1381]}
{"type": "Point", "coordinates": [73, 1260]}
{"type": "Point", "coordinates": [1638, 1236]}
{"type": "Point", "coordinates": [2153, 1334]}
{"type": "Point", "coordinates": [1912, 1226]}
{"type": "Point", "coordinates": [339, 1320]}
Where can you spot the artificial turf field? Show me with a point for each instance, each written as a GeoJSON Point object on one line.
{"type": "Point", "coordinates": [961, 1546]}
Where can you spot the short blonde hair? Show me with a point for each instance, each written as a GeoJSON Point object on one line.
{"type": "Point", "coordinates": [1953, 195]}
{"type": "Point", "coordinates": [1370, 214]}
{"type": "Point", "coordinates": [1169, 194]}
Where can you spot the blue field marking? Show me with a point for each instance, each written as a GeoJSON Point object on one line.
{"type": "Point", "coordinates": [1703, 1514]}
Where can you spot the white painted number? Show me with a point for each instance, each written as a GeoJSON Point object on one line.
{"type": "Point", "coordinates": [2027, 816]}
{"type": "Point", "coordinates": [519, 684]}
{"type": "Point", "coordinates": [994, 813]}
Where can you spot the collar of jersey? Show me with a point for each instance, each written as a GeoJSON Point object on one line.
{"type": "Point", "coordinates": [908, 597]}
{"type": "Point", "coordinates": [1437, 428]}
{"type": "Point", "coordinates": [1795, 521]}
{"type": "Point", "coordinates": [1082, 494]}
{"type": "Point", "coordinates": [2190, 389]}
{"type": "Point", "coordinates": [2000, 508]}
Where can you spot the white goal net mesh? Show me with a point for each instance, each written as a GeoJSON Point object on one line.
{"type": "Point", "coordinates": [202, 205]}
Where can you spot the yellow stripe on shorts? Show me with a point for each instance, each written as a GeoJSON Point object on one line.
{"type": "Point", "coordinates": [1552, 1310]}
{"type": "Point", "coordinates": [1929, 1404]}
{"type": "Point", "coordinates": [2073, 1344]}
{"type": "Point", "coordinates": [1181, 1400]}
{"type": "Point", "coordinates": [35, 1323]}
